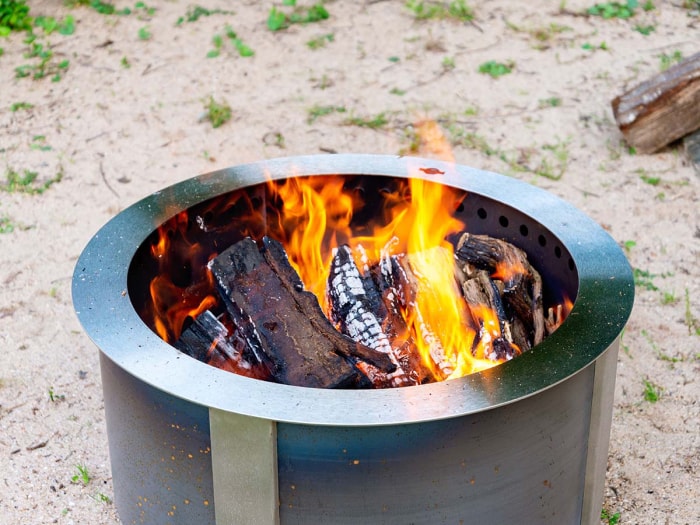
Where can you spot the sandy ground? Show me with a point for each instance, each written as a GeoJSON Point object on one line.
{"type": "Point", "coordinates": [128, 117]}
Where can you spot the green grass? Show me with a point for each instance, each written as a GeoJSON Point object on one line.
{"type": "Point", "coordinates": [612, 519]}
{"type": "Point", "coordinates": [230, 36]}
{"type": "Point", "coordinates": [54, 397]}
{"type": "Point", "coordinates": [83, 476]}
{"type": "Point", "coordinates": [496, 69]}
{"type": "Point", "coordinates": [6, 224]}
{"type": "Point", "coordinates": [14, 16]}
{"type": "Point", "coordinates": [552, 102]}
{"type": "Point", "coordinates": [377, 122]}
{"type": "Point", "coordinates": [645, 279]}
{"type": "Point", "coordinates": [692, 322]}
{"type": "Point", "coordinates": [321, 111]}
{"type": "Point", "coordinates": [666, 60]}
{"type": "Point", "coordinates": [320, 41]}
{"type": "Point", "coordinates": [194, 13]}
{"type": "Point", "coordinates": [144, 33]}
{"type": "Point", "coordinates": [218, 113]}
{"type": "Point", "coordinates": [609, 10]}
{"type": "Point", "coordinates": [457, 10]}
{"type": "Point", "coordinates": [45, 64]}
{"type": "Point", "coordinates": [652, 392]}
{"type": "Point", "coordinates": [278, 19]}
{"type": "Point", "coordinates": [27, 182]}
{"type": "Point", "coordinates": [18, 106]}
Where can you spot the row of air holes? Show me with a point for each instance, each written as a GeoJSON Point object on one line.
{"type": "Point", "coordinates": [541, 239]}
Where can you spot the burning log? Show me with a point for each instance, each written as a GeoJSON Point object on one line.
{"type": "Point", "coordinates": [522, 284]}
{"type": "Point", "coordinates": [409, 281]}
{"type": "Point", "coordinates": [300, 346]}
{"type": "Point", "coordinates": [208, 339]}
{"type": "Point", "coordinates": [661, 109]}
{"type": "Point", "coordinates": [479, 289]}
{"type": "Point", "coordinates": [357, 309]}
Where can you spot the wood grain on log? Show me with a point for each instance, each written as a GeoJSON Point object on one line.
{"type": "Point", "coordinates": [661, 109]}
{"type": "Point", "coordinates": [260, 288]}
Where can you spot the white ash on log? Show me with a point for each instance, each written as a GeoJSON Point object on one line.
{"type": "Point", "coordinates": [661, 109]}
{"type": "Point", "coordinates": [357, 310]}
{"type": "Point", "coordinates": [259, 287]}
{"type": "Point", "coordinates": [209, 340]}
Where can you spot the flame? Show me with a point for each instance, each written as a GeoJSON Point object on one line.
{"type": "Point", "coordinates": [312, 216]}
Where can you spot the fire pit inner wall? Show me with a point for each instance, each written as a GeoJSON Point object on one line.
{"type": "Point", "coordinates": [525, 440]}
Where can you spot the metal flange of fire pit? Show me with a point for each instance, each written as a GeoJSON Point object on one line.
{"type": "Point", "coordinates": [525, 441]}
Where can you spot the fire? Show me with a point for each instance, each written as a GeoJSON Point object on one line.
{"type": "Point", "coordinates": [411, 220]}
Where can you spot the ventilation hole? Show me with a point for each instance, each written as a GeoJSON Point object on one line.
{"type": "Point", "coordinates": [523, 230]}
{"type": "Point", "coordinates": [503, 221]}
{"type": "Point", "coordinates": [542, 240]}
{"type": "Point", "coordinates": [557, 252]}
{"type": "Point", "coordinates": [460, 208]}
{"type": "Point", "coordinates": [572, 266]}
{"type": "Point", "coordinates": [481, 212]}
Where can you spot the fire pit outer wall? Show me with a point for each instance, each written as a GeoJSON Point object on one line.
{"type": "Point", "coordinates": [523, 442]}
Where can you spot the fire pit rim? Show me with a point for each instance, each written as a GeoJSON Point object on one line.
{"type": "Point", "coordinates": [102, 303]}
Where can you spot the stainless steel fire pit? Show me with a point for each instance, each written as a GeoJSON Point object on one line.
{"type": "Point", "coordinates": [523, 442]}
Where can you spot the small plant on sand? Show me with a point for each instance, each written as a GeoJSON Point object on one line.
{"type": "Point", "coordinates": [457, 10]}
{"type": "Point", "coordinates": [611, 519]}
{"type": "Point", "coordinates": [83, 476]}
{"type": "Point", "coordinates": [21, 106]}
{"type": "Point", "coordinates": [376, 122]}
{"type": "Point", "coordinates": [652, 392]}
{"type": "Point", "coordinates": [321, 111]}
{"type": "Point", "coordinates": [320, 41]}
{"type": "Point", "coordinates": [609, 10]}
{"type": "Point", "coordinates": [278, 19]}
{"type": "Point", "coordinates": [27, 182]}
{"type": "Point", "coordinates": [692, 322]}
{"type": "Point", "coordinates": [218, 113]}
{"type": "Point", "coordinates": [194, 13]}
{"type": "Point", "coordinates": [218, 41]}
{"type": "Point", "coordinates": [45, 65]}
{"type": "Point", "coordinates": [14, 16]}
{"type": "Point", "coordinates": [54, 397]}
{"type": "Point", "coordinates": [496, 69]}
{"type": "Point", "coordinates": [666, 60]}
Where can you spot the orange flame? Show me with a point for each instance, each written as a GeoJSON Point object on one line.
{"type": "Point", "coordinates": [313, 215]}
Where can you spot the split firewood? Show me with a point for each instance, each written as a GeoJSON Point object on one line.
{"type": "Point", "coordinates": [522, 284]}
{"type": "Point", "coordinates": [398, 296]}
{"type": "Point", "coordinates": [209, 340]}
{"type": "Point", "coordinates": [261, 289]}
{"type": "Point", "coordinates": [357, 310]}
{"type": "Point", "coordinates": [479, 289]}
{"type": "Point", "coordinates": [661, 109]}
{"type": "Point", "coordinates": [412, 281]}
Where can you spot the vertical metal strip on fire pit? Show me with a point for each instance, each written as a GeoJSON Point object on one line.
{"type": "Point", "coordinates": [244, 468]}
{"type": "Point", "coordinates": [599, 433]}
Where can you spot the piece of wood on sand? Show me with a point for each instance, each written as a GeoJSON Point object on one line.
{"type": "Point", "coordinates": [661, 109]}
{"type": "Point", "coordinates": [259, 287]}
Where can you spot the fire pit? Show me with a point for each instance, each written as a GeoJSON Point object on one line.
{"type": "Point", "coordinates": [526, 440]}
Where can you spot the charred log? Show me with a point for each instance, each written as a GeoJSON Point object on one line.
{"type": "Point", "coordinates": [261, 290]}
{"type": "Point", "coordinates": [357, 310]}
{"type": "Point", "coordinates": [521, 284]}
{"type": "Point", "coordinates": [208, 339]}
